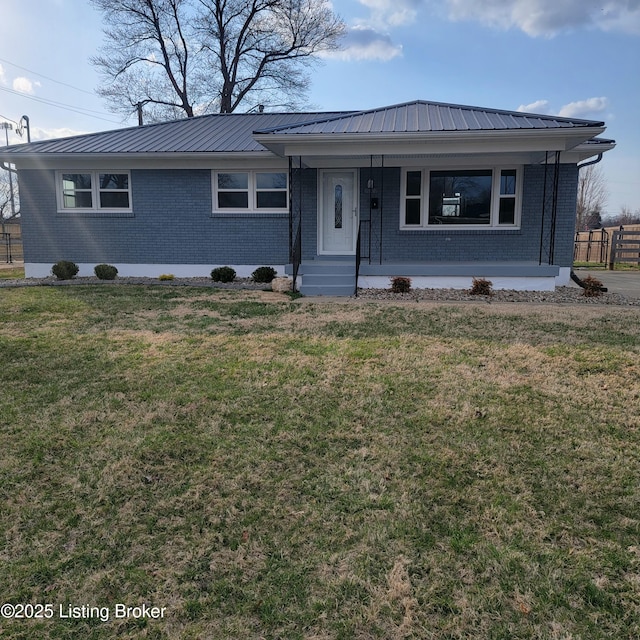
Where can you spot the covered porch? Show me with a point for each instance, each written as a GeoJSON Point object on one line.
{"type": "Point", "coordinates": [372, 248]}
{"type": "Point", "coordinates": [437, 193]}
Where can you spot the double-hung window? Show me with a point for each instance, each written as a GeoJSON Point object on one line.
{"type": "Point", "coordinates": [461, 198]}
{"type": "Point", "coordinates": [250, 191]}
{"type": "Point", "coordinates": [93, 191]}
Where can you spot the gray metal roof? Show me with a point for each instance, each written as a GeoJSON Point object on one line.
{"type": "Point", "coordinates": [234, 132]}
{"type": "Point", "coordinates": [216, 133]}
{"type": "Point", "coordinates": [423, 117]}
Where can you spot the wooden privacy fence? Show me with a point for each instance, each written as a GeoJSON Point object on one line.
{"type": "Point", "coordinates": [591, 246]}
{"type": "Point", "coordinates": [10, 243]}
{"type": "Point", "coordinates": [625, 247]}
{"type": "Point", "coordinates": [608, 246]}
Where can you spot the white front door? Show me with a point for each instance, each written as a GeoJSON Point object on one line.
{"type": "Point", "coordinates": [338, 219]}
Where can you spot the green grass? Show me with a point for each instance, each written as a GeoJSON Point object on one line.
{"type": "Point", "coordinates": [265, 468]}
{"type": "Point", "coordinates": [604, 266]}
{"type": "Point", "coordinates": [8, 272]}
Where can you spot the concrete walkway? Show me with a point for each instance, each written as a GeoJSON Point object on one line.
{"type": "Point", "coordinates": [626, 283]}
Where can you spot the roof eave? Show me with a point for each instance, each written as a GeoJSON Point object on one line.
{"type": "Point", "coordinates": [17, 158]}
{"type": "Point", "coordinates": [590, 149]}
{"type": "Point", "coordinates": [561, 139]}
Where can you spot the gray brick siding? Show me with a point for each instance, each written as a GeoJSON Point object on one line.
{"type": "Point", "coordinates": [471, 245]}
{"type": "Point", "coordinates": [172, 223]}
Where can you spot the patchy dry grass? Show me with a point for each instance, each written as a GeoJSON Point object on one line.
{"type": "Point", "coordinates": [271, 469]}
{"type": "Point", "coordinates": [9, 272]}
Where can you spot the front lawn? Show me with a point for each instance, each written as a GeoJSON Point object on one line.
{"type": "Point", "coordinates": [263, 468]}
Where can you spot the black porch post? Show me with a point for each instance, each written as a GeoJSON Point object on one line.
{"type": "Point", "coordinates": [290, 209]}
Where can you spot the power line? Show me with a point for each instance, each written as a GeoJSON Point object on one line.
{"type": "Point", "coordinates": [64, 84]}
{"type": "Point", "coordinates": [9, 119]}
{"type": "Point", "coordinates": [61, 105]}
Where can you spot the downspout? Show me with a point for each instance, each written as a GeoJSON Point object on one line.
{"type": "Point", "coordinates": [574, 276]}
{"type": "Point", "coordinates": [586, 164]}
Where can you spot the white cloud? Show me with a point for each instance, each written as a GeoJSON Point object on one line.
{"type": "Point", "coordinates": [3, 76]}
{"type": "Point", "coordinates": [537, 18]}
{"type": "Point", "coordinates": [583, 108]}
{"type": "Point", "coordinates": [363, 43]}
{"type": "Point", "coordinates": [579, 109]}
{"type": "Point", "coordinates": [37, 133]}
{"type": "Point", "coordinates": [24, 85]}
{"type": "Point", "coordinates": [390, 13]}
{"type": "Point", "coordinates": [539, 106]}
{"type": "Point", "coordinates": [549, 17]}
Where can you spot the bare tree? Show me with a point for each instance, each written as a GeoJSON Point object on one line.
{"type": "Point", "coordinates": [626, 216]}
{"type": "Point", "coordinates": [262, 46]}
{"type": "Point", "coordinates": [9, 200]}
{"type": "Point", "coordinates": [147, 57]}
{"type": "Point", "coordinates": [592, 197]}
{"type": "Point", "coordinates": [183, 57]}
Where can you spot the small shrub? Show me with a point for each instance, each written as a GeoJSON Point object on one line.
{"type": "Point", "coordinates": [65, 270]}
{"type": "Point", "coordinates": [263, 274]}
{"type": "Point", "coordinates": [592, 287]}
{"type": "Point", "coordinates": [166, 276]}
{"type": "Point", "coordinates": [105, 271]}
{"type": "Point", "coordinates": [223, 274]}
{"type": "Point", "coordinates": [400, 284]}
{"type": "Point", "coordinates": [481, 287]}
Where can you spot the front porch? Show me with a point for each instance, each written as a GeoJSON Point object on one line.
{"type": "Point", "coordinates": [348, 228]}
{"type": "Point", "coordinates": [338, 276]}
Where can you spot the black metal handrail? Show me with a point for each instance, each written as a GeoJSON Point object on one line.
{"type": "Point", "coordinates": [296, 254]}
{"type": "Point", "coordinates": [358, 256]}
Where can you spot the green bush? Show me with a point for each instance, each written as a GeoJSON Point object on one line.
{"type": "Point", "coordinates": [65, 270]}
{"type": "Point", "coordinates": [105, 271]}
{"type": "Point", "coordinates": [264, 274]}
{"type": "Point", "coordinates": [223, 274]}
{"type": "Point", "coordinates": [481, 287]}
{"type": "Point", "coordinates": [400, 284]}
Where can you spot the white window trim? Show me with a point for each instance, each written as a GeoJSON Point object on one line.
{"type": "Point", "coordinates": [495, 200]}
{"type": "Point", "coordinates": [95, 192]}
{"type": "Point", "coordinates": [252, 188]}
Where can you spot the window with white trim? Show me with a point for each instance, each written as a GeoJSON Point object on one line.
{"type": "Point", "coordinates": [461, 198]}
{"type": "Point", "coordinates": [89, 191]}
{"type": "Point", "coordinates": [250, 191]}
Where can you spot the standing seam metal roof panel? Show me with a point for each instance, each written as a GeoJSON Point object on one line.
{"type": "Point", "coordinates": [233, 133]}
{"type": "Point", "coordinates": [203, 134]}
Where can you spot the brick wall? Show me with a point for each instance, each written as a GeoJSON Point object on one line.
{"type": "Point", "coordinates": [172, 223]}
{"type": "Point", "coordinates": [471, 245]}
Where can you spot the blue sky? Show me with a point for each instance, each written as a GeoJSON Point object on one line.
{"type": "Point", "coordinates": [579, 58]}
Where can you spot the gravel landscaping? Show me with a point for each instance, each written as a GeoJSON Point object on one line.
{"type": "Point", "coordinates": [562, 295]}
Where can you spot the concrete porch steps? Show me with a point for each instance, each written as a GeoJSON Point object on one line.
{"type": "Point", "coordinates": [326, 277]}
